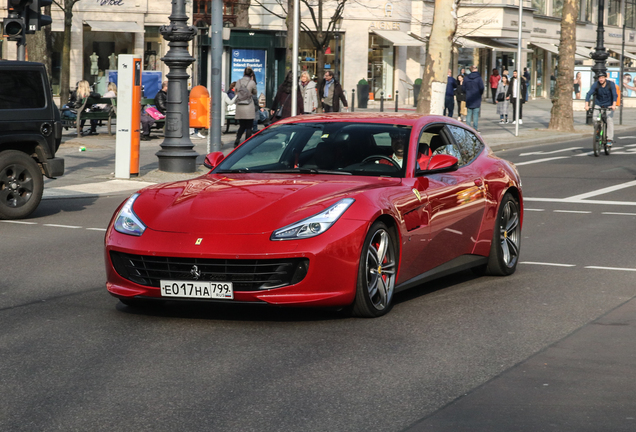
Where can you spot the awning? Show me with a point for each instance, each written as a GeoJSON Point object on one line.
{"type": "Point", "coordinates": [609, 60]}
{"type": "Point", "coordinates": [489, 43]}
{"type": "Point", "coordinates": [626, 54]}
{"type": "Point", "coordinates": [555, 50]}
{"type": "Point", "coordinates": [115, 26]}
{"type": "Point", "coordinates": [398, 38]}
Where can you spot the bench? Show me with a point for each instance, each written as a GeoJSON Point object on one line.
{"type": "Point", "coordinates": [230, 119]}
{"type": "Point", "coordinates": [109, 113]}
{"type": "Point", "coordinates": [159, 124]}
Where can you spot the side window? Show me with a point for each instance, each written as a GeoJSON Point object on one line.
{"type": "Point", "coordinates": [439, 145]}
{"type": "Point", "coordinates": [469, 144]}
{"type": "Point", "coordinates": [21, 90]}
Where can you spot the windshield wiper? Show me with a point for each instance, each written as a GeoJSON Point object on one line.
{"type": "Point", "coordinates": [305, 171]}
{"type": "Point", "coordinates": [233, 171]}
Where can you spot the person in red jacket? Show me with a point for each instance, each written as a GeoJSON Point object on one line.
{"type": "Point", "coordinates": [494, 83]}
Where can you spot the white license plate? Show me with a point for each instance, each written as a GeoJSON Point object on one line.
{"type": "Point", "coordinates": [194, 289]}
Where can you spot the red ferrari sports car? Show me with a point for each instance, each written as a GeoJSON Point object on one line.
{"type": "Point", "coordinates": [337, 210]}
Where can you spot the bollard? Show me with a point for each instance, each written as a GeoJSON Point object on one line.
{"type": "Point", "coordinates": [381, 101]}
{"type": "Point", "coordinates": [397, 95]}
{"type": "Point", "coordinates": [353, 100]}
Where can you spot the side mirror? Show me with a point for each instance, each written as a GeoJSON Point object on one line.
{"type": "Point", "coordinates": [213, 159]}
{"type": "Point", "coordinates": [442, 162]}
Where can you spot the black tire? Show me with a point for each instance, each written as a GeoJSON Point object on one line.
{"type": "Point", "coordinates": [596, 139]}
{"type": "Point", "coordinates": [21, 185]}
{"type": "Point", "coordinates": [377, 273]}
{"type": "Point", "coordinates": [506, 238]}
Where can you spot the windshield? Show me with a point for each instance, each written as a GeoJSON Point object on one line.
{"type": "Point", "coordinates": [323, 148]}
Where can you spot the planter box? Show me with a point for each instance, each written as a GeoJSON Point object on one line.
{"type": "Point", "coordinates": [363, 95]}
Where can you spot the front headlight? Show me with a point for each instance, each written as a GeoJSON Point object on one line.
{"type": "Point", "coordinates": [127, 221]}
{"type": "Point", "coordinates": [314, 225]}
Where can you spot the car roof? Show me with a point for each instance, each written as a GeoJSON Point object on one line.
{"type": "Point", "coordinates": [411, 119]}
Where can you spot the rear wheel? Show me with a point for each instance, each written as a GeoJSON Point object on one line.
{"type": "Point", "coordinates": [597, 139]}
{"type": "Point", "coordinates": [376, 273]}
{"type": "Point", "coordinates": [506, 240]}
{"type": "Point", "coordinates": [21, 185]}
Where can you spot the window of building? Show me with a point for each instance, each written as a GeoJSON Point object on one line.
{"type": "Point", "coordinates": [630, 13]}
{"type": "Point", "coordinates": [585, 10]}
{"type": "Point", "coordinates": [381, 67]}
{"type": "Point", "coordinates": [539, 5]}
{"type": "Point", "coordinates": [613, 11]}
{"type": "Point", "coordinates": [557, 8]}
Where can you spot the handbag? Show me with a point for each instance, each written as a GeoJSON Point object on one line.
{"type": "Point", "coordinates": [501, 97]}
{"type": "Point", "coordinates": [279, 111]}
{"type": "Point", "coordinates": [463, 111]}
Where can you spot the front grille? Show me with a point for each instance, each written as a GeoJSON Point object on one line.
{"type": "Point", "coordinates": [245, 275]}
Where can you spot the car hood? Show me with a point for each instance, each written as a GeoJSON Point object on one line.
{"type": "Point", "coordinates": [246, 203]}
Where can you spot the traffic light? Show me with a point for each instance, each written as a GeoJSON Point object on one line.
{"type": "Point", "coordinates": [33, 17]}
{"type": "Point", "coordinates": [14, 27]}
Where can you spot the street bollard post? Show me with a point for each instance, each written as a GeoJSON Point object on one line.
{"type": "Point", "coordinates": [353, 100]}
{"type": "Point", "coordinates": [397, 96]}
{"type": "Point", "coordinates": [381, 101]}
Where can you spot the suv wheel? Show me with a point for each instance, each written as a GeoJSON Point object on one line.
{"type": "Point", "coordinates": [21, 185]}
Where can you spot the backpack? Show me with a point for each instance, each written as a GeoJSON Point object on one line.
{"type": "Point", "coordinates": [244, 96]}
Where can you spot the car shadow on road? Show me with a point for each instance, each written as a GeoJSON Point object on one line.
{"type": "Point", "coordinates": [50, 207]}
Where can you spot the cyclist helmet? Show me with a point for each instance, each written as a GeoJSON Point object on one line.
{"type": "Point", "coordinates": [602, 74]}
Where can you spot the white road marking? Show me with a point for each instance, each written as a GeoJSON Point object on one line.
{"type": "Point", "coordinates": [541, 160]}
{"type": "Point", "coordinates": [631, 145]}
{"type": "Point", "coordinates": [19, 222]}
{"type": "Point", "coordinates": [62, 226]}
{"type": "Point", "coordinates": [569, 201]}
{"type": "Point", "coordinates": [585, 154]}
{"type": "Point", "coordinates": [547, 264]}
{"type": "Point", "coordinates": [602, 191]}
{"type": "Point", "coordinates": [96, 229]}
{"type": "Point", "coordinates": [619, 214]}
{"type": "Point", "coordinates": [550, 152]}
{"type": "Point", "coordinates": [626, 137]}
{"type": "Point", "coordinates": [610, 268]}
{"type": "Point", "coordinates": [571, 211]}
{"type": "Point", "coordinates": [537, 210]}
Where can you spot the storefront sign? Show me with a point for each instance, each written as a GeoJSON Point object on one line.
{"type": "Point", "coordinates": [110, 2]}
{"type": "Point", "coordinates": [256, 59]}
{"type": "Point", "coordinates": [615, 35]}
{"type": "Point", "coordinates": [384, 25]}
{"type": "Point", "coordinates": [539, 30]}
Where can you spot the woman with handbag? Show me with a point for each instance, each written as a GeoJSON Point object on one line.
{"type": "Point", "coordinates": [460, 95]}
{"type": "Point", "coordinates": [281, 106]}
{"type": "Point", "coordinates": [501, 101]}
{"type": "Point", "coordinates": [245, 109]}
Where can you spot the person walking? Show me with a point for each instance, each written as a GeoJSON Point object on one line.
{"type": "Point", "coordinates": [474, 87]}
{"type": "Point", "coordinates": [449, 99]}
{"type": "Point", "coordinates": [494, 83]}
{"type": "Point", "coordinates": [501, 101]}
{"type": "Point", "coordinates": [308, 90]}
{"type": "Point", "coordinates": [331, 94]}
{"type": "Point", "coordinates": [282, 104]}
{"type": "Point", "coordinates": [460, 95]}
{"type": "Point", "coordinates": [245, 111]}
{"type": "Point", "coordinates": [515, 98]}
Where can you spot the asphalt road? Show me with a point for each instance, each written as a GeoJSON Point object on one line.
{"type": "Point", "coordinates": [450, 356]}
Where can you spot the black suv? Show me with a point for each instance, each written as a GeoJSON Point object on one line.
{"type": "Point", "coordinates": [30, 134]}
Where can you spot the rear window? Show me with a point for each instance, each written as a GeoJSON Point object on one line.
{"type": "Point", "coordinates": [21, 90]}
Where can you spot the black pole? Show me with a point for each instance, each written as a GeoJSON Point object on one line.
{"type": "Point", "coordinates": [397, 96]}
{"type": "Point", "coordinates": [176, 154]}
{"type": "Point", "coordinates": [599, 55]}
{"type": "Point", "coordinates": [622, 69]}
{"type": "Point", "coordinates": [353, 100]}
{"type": "Point", "coordinates": [381, 101]}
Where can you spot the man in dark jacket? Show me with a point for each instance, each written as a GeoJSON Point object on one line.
{"type": "Point", "coordinates": [512, 95]}
{"type": "Point", "coordinates": [474, 88]}
{"type": "Point", "coordinates": [449, 99]}
{"type": "Point", "coordinates": [606, 97]}
{"type": "Point", "coordinates": [330, 93]}
{"type": "Point", "coordinates": [161, 98]}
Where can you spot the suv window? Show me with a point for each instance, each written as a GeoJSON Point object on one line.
{"type": "Point", "coordinates": [468, 142]}
{"type": "Point", "coordinates": [22, 90]}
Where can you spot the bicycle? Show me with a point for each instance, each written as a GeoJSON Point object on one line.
{"type": "Point", "coordinates": [600, 133]}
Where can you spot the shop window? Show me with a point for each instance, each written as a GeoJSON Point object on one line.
{"type": "Point", "coordinates": [613, 11]}
{"type": "Point", "coordinates": [630, 13]}
{"type": "Point", "coordinates": [309, 57]}
{"type": "Point", "coordinates": [381, 67]}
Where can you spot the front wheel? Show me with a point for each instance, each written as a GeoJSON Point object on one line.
{"type": "Point", "coordinates": [21, 185]}
{"type": "Point", "coordinates": [597, 139]}
{"type": "Point", "coordinates": [377, 273]}
{"type": "Point", "coordinates": [506, 240]}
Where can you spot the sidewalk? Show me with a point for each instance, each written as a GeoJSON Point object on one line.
{"type": "Point", "coordinates": [96, 164]}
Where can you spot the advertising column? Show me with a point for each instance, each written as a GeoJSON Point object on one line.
{"type": "Point", "coordinates": [128, 113]}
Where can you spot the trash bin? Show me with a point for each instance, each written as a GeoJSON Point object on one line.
{"type": "Point", "coordinates": [199, 107]}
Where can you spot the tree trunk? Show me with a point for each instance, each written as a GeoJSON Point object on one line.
{"type": "Point", "coordinates": [438, 58]}
{"type": "Point", "coordinates": [66, 57]}
{"type": "Point", "coordinates": [289, 22]}
{"type": "Point", "coordinates": [562, 114]}
{"type": "Point", "coordinates": [39, 46]}
{"type": "Point", "coordinates": [243, 14]}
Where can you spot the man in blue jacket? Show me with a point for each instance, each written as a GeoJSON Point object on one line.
{"type": "Point", "coordinates": [449, 99]}
{"type": "Point", "coordinates": [474, 87]}
{"type": "Point", "coordinates": [605, 98]}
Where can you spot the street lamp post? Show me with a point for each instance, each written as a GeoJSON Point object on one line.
{"type": "Point", "coordinates": [600, 54]}
{"type": "Point", "coordinates": [176, 154]}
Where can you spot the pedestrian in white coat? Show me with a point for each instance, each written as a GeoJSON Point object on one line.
{"type": "Point", "coordinates": [308, 90]}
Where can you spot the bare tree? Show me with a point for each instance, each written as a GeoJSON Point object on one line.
{"type": "Point", "coordinates": [243, 13]}
{"type": "Point", "coordinates": [438, 57]}
{"type": "Point", "coordinates": [562, 114]}
{"type": "Point", "coordinates": [67, 8]}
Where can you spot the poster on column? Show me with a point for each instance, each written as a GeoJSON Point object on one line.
{"type": "Point", "coordinates": [254, 58]}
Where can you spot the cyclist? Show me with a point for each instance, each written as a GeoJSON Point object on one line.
{"type": "Point", "coordinates": [605, 98]}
